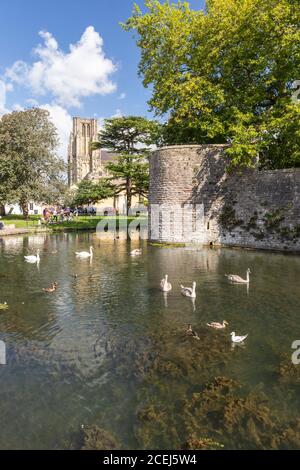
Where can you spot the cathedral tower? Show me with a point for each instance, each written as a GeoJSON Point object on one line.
{"type": "Point", "coordinates": [82, 161]}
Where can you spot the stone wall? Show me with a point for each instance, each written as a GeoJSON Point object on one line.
{"type": "Point", "coordinates": [259, 209]}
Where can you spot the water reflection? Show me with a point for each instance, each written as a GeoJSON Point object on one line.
{"type": "Point", "coordinates": [109, 348]}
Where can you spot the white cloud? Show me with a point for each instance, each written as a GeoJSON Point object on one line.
{"type": "Point", "coordinates": [32, 102]}
{"type": "Point", "coordinates": [122, 96]}
{"type": "Point", "coordinates": [118, 113]}
{"type": "Point", "coordinates": [9, 86]}
{"type": "Point", "coordinates": [63, 122]}
{"type": "Point", "coordinates": [100, 121]}
{"type": "Point", "coordinates": [59, 116]}
{"type": "Point", "coordinates": [18, 107]}
{"type": "Point", "coordinates": [71, 76]}
{"type": "Point", "coordinates": [3, 90]}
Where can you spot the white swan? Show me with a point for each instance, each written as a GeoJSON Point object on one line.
{"type": "Point", "coordinates": [238, 279]}
{"type": "Point", "coordinates": [165, 286]}
{"type": "Point", "coordinates": [136, 252]}
{"type": "Point", "coordinates": [85, 254]}
{"type": "Point", "coordinates": [189, 291]}
{"type": "Point", "coordinates": [237, 339]}
{"type": "Point", "coordinates": [32, 258]}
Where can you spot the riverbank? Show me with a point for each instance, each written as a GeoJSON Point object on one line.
{"type": "Point", "coordinates": [15, 225]}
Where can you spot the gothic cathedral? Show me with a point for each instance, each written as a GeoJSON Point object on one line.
{"type": "Point", "coordinates": [83, 162]}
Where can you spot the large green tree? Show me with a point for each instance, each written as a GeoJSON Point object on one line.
{"type": "Point", "coordinates": [29, 167]}
{"type": "Point", "coordinates": [89, 192]}
{"type": "Point", "coordinates": [130, 138]}
{"type": "Point", "coordinates": [130, 174]}
{"type": "Point", "coordinates": [225, 74]}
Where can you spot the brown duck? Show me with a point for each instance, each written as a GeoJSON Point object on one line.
{"type": "Point", "coordinates": [50, 290]}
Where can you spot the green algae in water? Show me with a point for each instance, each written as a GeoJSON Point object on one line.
{"type": "Point", "coordinates": [110, 352]}
{"type": "Point", "coordinates": [96, 438]}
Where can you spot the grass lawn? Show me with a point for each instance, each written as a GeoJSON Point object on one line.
{"type": "Point", "coordinates": [88, 222]}
{"type": "Point", "coordinates": [78, 223]}
{"type": "Point", "coordinates": [20, 222]}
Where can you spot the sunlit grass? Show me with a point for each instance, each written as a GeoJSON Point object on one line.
{"type": "Point", "coordinates": [77, 223]}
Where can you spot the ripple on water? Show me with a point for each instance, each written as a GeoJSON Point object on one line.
{"type": "Point", "coordinates": [108, 348]}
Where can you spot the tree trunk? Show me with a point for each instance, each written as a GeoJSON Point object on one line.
{"type": "Point", "coordinates": [128, 194]}
{"type": "Point", "coordinates": [24, 206]}
{"type": "Point", "coordinates": [2, 210]}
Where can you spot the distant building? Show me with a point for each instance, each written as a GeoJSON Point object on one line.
{"type": "Point", "coordinates": [85, 163]}
{"type": "Point", "coordinates": [34, 208]}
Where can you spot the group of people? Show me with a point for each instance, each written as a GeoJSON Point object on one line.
{"type": "Point", "coordinates": [55, 215]}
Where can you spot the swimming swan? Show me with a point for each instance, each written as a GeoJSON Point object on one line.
{"type": "Point", "coordinates": [189, 291]}
{"type": "Point", "coordinates": [237, 339]}
{"type": "Point", "coordinates": [136, 252]}
{"type": "Point", "coordinates": [85, 254]}
{"type": "Point", "coordinates": [32, 258]}
{"type": "Point", "coordinates": [238, 279]}
{"type": "Point", "coordinates": [165, 286]}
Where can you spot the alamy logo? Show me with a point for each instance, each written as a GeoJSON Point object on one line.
{"type": "Point", "coordinates": [167, 221]}
{"type": "Point", "coordinates": [296, 354]}
{"type": "Point", "coordinates": [2, 353]}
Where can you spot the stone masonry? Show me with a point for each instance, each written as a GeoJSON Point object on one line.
{"type": "Point", "coordinates": [252, 208]}
{"type": "Point", "coordinates": [83, 162]}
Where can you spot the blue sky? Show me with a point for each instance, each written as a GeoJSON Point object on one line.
{"type": "Point", "coordinates": [97, 77]}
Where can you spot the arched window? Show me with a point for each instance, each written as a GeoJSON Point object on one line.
{"type": "Point", "coordinates": [83, 130]}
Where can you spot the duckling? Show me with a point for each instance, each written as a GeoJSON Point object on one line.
{"type": "Point", "coordinates": [4, 306]}
{"type": "Point", "coordinates": [50, 290]}
{"type": "Point", "coordinates": [191, 332]}
{"type": "Point", "coordinates": [216, 325]}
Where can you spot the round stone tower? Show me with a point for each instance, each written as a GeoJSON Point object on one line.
{"type": "Point", "coordinates": [184, 192]}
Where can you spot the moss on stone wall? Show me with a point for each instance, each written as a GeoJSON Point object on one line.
{"type": "Point", "coordinates": [228, 219]}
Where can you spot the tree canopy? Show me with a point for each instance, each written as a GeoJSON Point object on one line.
{"type": "Point", "coordinates": [226, 74]}
{"type": "Point", "coordinates": [89, 192]}
{"type": "Point", "coordinates": [128, 134]}
{"type": "Point", "coordinates": [130, 138]}
{"type": "Point", "coordinates": [29, 167]}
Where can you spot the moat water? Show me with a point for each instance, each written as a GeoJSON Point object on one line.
{"type": "Point", "coordinates": [105, 360]}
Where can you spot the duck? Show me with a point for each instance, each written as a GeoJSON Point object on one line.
{"type": "Point", "coordinates": [32, 258]}
{"type": "Point", "coordinates": [191, 332]}
{"type": "Point", "coordinates": [189, 291]}
{"type": "Point", "coordinates": [4, 306]}
{"type": "Point", "coordinates": [216, 325]}
{"type": "Point", "coordinates": [165, 286]}
{"type": "Point", "coordinates": [85, 254]}
{"type": "Point", "coordinates": [50, 290]}
{"type": "Point", "coordinates": [237, 339]}
{"type": "Point", "coordinates": [238, 279]}
{"type": "Point", "coordinates": [136, 252]}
